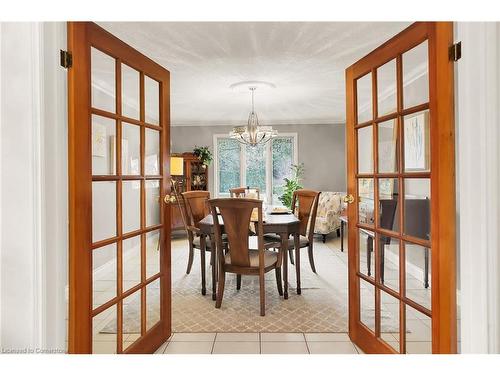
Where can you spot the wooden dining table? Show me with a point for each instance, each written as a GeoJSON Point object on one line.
{"type": "Point", "coordinates": [284, 225]}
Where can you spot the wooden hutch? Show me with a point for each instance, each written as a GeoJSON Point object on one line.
{"type": "Point", "coordinates": [195, 177]}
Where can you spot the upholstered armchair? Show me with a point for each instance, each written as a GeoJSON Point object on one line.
{"type": "Point", "coordinates": [328, 216]}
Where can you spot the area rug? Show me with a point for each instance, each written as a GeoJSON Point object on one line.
{"type": "Point", "coordinates": [322, 306]}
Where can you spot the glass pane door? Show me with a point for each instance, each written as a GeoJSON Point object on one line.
{"type": "Point", "coordinates": [126, 220]}
{"type": "Point", "coordinates": [128, 243]}
{"type": "Point", "coordinates": [392, 256]}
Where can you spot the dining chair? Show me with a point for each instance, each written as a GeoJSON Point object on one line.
{"type": "Point", "coordinates": [305, 207]}
{"type": "Point", "coordinates": [196, 208]}
{"type": "Point", "coordinates": [246, 254]}
{"type": "Point", "coordinates": [240, 192]}
{"type": "Point", "coordinates": [417, 224]}
{"type": "Point", "coordinates": [387, 212]}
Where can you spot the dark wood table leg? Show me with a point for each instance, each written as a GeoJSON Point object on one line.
{"type": "Point", "coordinates": [214, 268]}
{"type": "Point", "coordinates": [382, 260]}
{"type": "Point", "coordinates": [284, 251]}
{"type": "Point", "coordinates": [296, 238]}
{"type": "Point", "coordinates": [342, 236]}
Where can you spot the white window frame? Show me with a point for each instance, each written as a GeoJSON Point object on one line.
{"type": "Point", "coordinates": [269, 165]}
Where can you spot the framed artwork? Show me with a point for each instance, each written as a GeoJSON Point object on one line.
{"type": "Point", "coordinates": [151, 164]}
{"type": "Point", "coordinates": [365, 188]}
{"type": "Point", "coordinates": [387, 143]}
{"type": "Point", "coordinates": [417, 142]}
{"type": "Point", "coordinates": [385, 188]}
{"type": "Point", "coordinates": [98, 140]}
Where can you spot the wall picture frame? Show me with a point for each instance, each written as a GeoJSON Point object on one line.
{"type": "Point", "coordinates": [417, 142]}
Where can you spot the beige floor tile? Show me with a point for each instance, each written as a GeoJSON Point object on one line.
{"type": "Point", "coordinates": [104, 347]}
{"type": "Point", "coordinates": [132, 337]}
{"type": "Point", "coordinates": [311, 337]}
{"type": "Point", "coordinates": [288, 347]}
{"type": "Point", "coordinates": [108, 337]}
{"type": "Point", "coordinates": [265, 336]}
{"type": "Point", "coordinates": [419, 347]}
{"type": "Point", "coordinates": [225, 347]}
{"type": "Point", "coordinates": [418, 330]}
{"type": "Point", "coordinates": [332, 348]}
{"type": "Point", "coordinates": [237, 336]}
{"type": "Point", "coordinates": [208, 337]}
{"type": "Point", "coordinates": [390, 336]}
{"type": "Point", "coordinates": [394, 345]}
{"type": "Point", "coordinates": [185, 347]}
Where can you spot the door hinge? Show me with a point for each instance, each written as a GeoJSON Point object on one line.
{"type": "Point", "coordinates": [455, 51]}
{"type": "Point", "coordinates": [66, 59]}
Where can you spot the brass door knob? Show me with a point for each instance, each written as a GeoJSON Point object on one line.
{"type": "Point", "coordinates": [349, 198]}
{"type": "Point", "coordinates": [169, 199]}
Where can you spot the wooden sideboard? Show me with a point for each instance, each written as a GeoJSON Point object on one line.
{"type": "Point", "coordinates": [195, 178]}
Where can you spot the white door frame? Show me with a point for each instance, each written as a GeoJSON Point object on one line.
{"type": "Point", "coordinates": [478, 185]}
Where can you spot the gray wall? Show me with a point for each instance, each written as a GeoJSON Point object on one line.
{"type": "Point", "coordinates": [321, 149]}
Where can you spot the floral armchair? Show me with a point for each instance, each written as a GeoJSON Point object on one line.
{"type": "Point", "coordinates": [328, 218]}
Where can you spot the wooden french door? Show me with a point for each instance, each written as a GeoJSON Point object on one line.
{"type": "Point", "coordinates": [119, 256]}
{"type": "Point", "coordinates": [401, 188]}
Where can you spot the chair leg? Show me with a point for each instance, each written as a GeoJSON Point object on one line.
{"type": "Point", "coordinates": [297, 265]}
{"type": "Point", "coordinates": [213, 257]}
{"type": "Point", "coordinates": [311, 257]}
{"type": "Point", "coordinates": [190, 259]}
{"type": "Point", "coordinates": [238, 282]}
{"type": "Point", "coordinates": [338, 232]}
{"type": "Point", "coordinates": [262, 293]}
{"type": "Point", "coordinates": [342, 236]}
{"type": "Point", "coordinates": [278, 280]}
{"type": "Point", "coordinates": [212, 267]}
{"type": "Point", "coordinates": [324, 238]}
{"type": "Point", "coordinates": [382, 261]}
{"type": "Point", "coordinates": [290, 252]}
{"type": "Point", "coordinates": [426, 270]}
{"type": "Point", "coordinates": [220, 288]}
{"type": "Point", "coordinates": [203, 281]}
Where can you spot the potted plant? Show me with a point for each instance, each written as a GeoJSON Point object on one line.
{"type": "Point", "coordinates": [203, 154]}
{"type": "Point", "coordinates": [292, 184]}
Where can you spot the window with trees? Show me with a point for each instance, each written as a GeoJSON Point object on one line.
{"type": "Point", "coordinates": [263, 166]}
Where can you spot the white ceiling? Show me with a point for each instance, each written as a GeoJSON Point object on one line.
{"type": "Point", "coordinates": [306, 62]}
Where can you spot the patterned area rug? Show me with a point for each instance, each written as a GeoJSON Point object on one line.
{"type": "Point", "coordinates": [322, 306]}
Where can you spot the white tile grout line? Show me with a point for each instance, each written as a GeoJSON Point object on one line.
{"type": "Point", "coordinates": [355, 348]}
{"type": "Point", "coordinates": [213, 343]}
{"type": "Point", "coordinates": [307, 345]}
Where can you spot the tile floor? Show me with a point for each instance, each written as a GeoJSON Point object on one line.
{"type": "Point", "coordinates": [419, 325]}
{"type": "Point", "coordinates": [259, 343]}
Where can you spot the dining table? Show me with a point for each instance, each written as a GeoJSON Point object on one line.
{"type": "Point", "coordinates": [282, 224]}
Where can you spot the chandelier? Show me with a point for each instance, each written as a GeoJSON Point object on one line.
{"type": "Point", "coordinates": [253, 134]}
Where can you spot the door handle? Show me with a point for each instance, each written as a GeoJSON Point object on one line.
{"type": "Point", "coordinates": [169, 199]}
{"type": "Point", "coordinates": [349, 198]}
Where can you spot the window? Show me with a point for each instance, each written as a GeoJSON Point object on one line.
{"type": "Point", "coordinates": [263, 166]}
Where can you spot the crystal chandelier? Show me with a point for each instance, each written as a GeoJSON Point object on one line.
{"type": "Point", "coordinates": [253, 134]}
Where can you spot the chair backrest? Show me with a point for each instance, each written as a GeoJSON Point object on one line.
{"type": "Point", "coordinates": [196, 203]}
{"type": "Point", "coordinates": [239, 192]}
{"type": "Point", "coordinates": [417, 218]}
{"type": "Point", "coordinates": [387, 212]}
{"type": "Point", "coordinates": [305, 205]}
{"type": "Point", "coordinates": [236, 215]}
